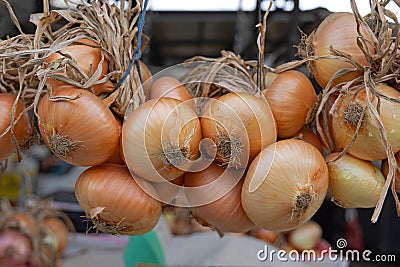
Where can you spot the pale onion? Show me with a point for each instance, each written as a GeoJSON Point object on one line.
{"type": "Point", "coordinates": [291, 97]}
{"type": "Point", "coordinates": [353, 182]}
{"type": "Point", "coordinates": [285, 185]}
{"type": "Point", "coordinates": [226, 213]}
{"type": "Point", "coordinates": [58, 230]}
{"type": "Point", "coordinates": [115, 202]}
{"type": "Point", "coordinates": [22, 129]}
{"type": "Point", "coordinates": [339, 31]}
{"type": "Point", "coordinates": [87, 55]}
{"type": "Point", "coordinates": [368, 145]}
{"type": "Point", "coordinates": [385, 170]}
{"type": "Point", "coordinates": [269, 77]}
{"type": "Point", "coordinates": [240, 125]}
{"type": "Point", "coordinates": [265, 235]}
{"type": "Point", "coordinates": [160, 138]}
{"type": "Point", "coordinates": [307, 134]}
{"type": "Point", "coordinates": [82, 132]}
{"type": "Point", "coordinates": [169, 87]}
{"type": "Point", "coordinates": [15, 248]}
{"type": "Point", "coordinates": [305, 237]}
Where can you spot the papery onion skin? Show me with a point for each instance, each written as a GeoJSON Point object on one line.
{"type": "Point", "coordinates": [169, 87]}
{"type": "Point", "coordinates": [291, 97]}
{"type": "Point", "coordinates": [167, 191]}
{"type": "Point", "coordinates": [306, 134]}
{"type": "Point", "coordinates": [15, 248]}
{"type": "Point", "coordinates": [22, 129]}
{"type": "Point", "coordinates": [354, 183]}
{"type": "Point", "coordinates": [385, 171]}
{"type": "Point", "coordinates": [306, 236]}
{"type": "Point", "coordinates": [339, 31]}
{"type": "Point", "coordinates": [285, 185]}
{"type": "Point", "coordinates": [226, 213]}
{"type": "Point", "coordinates": [147, 79]}
{"type": "Point", "coordinates": [128, 209]}
{"type": "Point", "coordinates": [156, 128]}
{"type": "Point", "coordinates": [368, 145]}
{"type": "Point", "coordinates": [59, 231]}
{"type": "Point", "coordinates": [245, 121]}
{"type": "Point", "coordinates": [82, 132]}
{"type": "Point", "coordinates": [88, 58]}
{"type": "Point", "coordinates": [116, 157]}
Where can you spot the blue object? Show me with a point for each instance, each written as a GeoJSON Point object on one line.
{"type": "Point", "coordinates": [143, 249]}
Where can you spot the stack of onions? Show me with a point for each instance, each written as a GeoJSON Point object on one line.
{"type": "Point", "coordinates": [21, 130]}
{"type": "Point", "coordinates": [290, 174]}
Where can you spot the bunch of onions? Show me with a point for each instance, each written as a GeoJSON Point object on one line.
{"type": "Point", "coordinates": [226, 213]}
{"type": "Point", "coordinates": [160, 139]}
{"type": "Point", "coordinates": [290, 174]}
{"type": "Point", "coordinates": [87, 55]}
{"type": "Point", "coordinates": [385, 170]}
{"type": "Point", "coordinates": [77, 127]}
{"type": "Point", "coordinates": [15, 248]}
{"type": "Point", "coordinates": [306, 236]}
{"type": "Point", "coordinates": [292, 99]}
{"type": "Point", "coordinates": [21, 130]}
{"type": "Point", "coordinates": [368, 144]}
{"type": "Point", "coordinates": [354, 183]}
{"type": "Point", "coordinates": [240, 125]}
{"type": "Point", "coordinates": [115, 202]}
{"type": "Point", "coordinates": [169, 87]}
{"type": "Point", "coordinates": [337, 31]}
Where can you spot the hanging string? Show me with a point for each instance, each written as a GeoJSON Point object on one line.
{"type": "Point", "coordinates": [137, 53]}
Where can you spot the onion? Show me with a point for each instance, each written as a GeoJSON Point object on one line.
{"type": "Point", "coordinates": [59, 231]}
{"type": "Point", "coordinates": [385, 171]}
{"type": "Point", "coordinates": [82, 132]}
{"type": "Point", "coordinates": [368, 145]}
{"type": "Point", "coordinates": [354, 183]}
{"type": "Point", "coordinates": [306, 134]}
{"type": "Point", "coordinates": [305, 237]}
{"type": "Point", "coordinates": [22, 129]}
{"type": "Point", "coordinates": [114, 202]}
{"type": "Point", "coordinates": [168, 190]}
{"type": "Point", "coordinates": [265, 235]}
{"type": "Point", "coordinates": [339, 31]}
{"type": "Point", "coordinates": [23, 222]}
{"type": "Point", "coordinates": [291, 97]}
{"type": "Point", "coordinates": [169, 87]}
{"type": "Point", "coordinates": [116, 156]}
{"type": "Point", "coordinates": [226, 213]}
{"type": "Point", "coordinates": [240, 125]}
{"type": "Point", "coordinates": [88, 57]}
{"type": "Point", "coordinates": [147, 79]}
{"type": "Point", "coordinates": [285, 185]}
{"type": "Point", "coordinates": [159, 138]}
{"type": "Point", "coordinates": [15, 248]}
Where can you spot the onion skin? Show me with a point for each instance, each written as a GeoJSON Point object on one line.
{"type": "Point", "coordinates": [22, 130]}
{"type": "Point", "coordinates": [306, 134]}
{"type": "Point", "coordinates": [22, 221]}
{"type": "Point", "coordinates": [150, 129]}
{"type": "Point", "coordinates": [169, 87]}
{"type": "Point", "coordinates": [85, 124]}
{"type": "Point", "coordinates": [147, 79]}
{"type": "Point", "coordinates": [290, 174]}
{"type": "Point", "coordinates": [116, 157]}
{"type": "Point", "coordinates": [128, 210]}
{"type": "Point", "coordinates": [305, 237]}
{"type": "Point", "coordinates": [291, 97]}
{"type": "Point", "coordinates": [224, 117]}
{"type": "Point", "coordinates": [168, 192]}
{"type": "Point", "coordinates": [225, 214]}
{"type": "Point", "coordinates": [368, 145]}
{"type": "Point", "coordinates": [15, 248]}
{"type": "Point", "coordinates": [338, 30]}
{"type": "Point", "coordinates": [88, 59]}
{"type": "Point", "coordinates": [385, 171]}
{"type": "Point", "coordinates": [354, 183]}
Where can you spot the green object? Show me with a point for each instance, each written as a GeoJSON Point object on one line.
{"type": "Point", "coordinates": [143, 249]}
